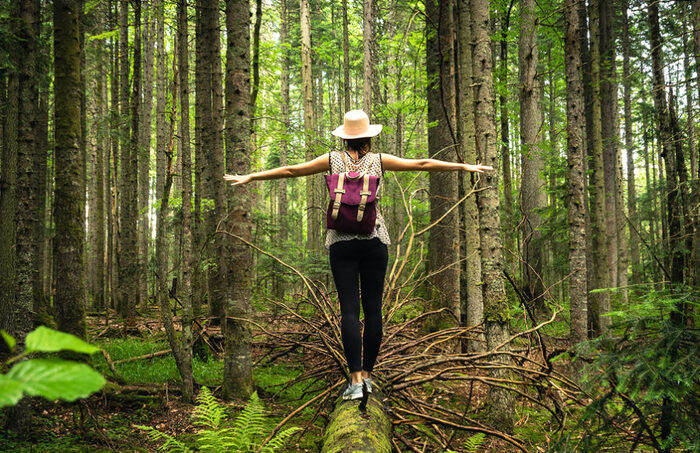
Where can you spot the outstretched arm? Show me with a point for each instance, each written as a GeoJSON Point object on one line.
{"type": "Point", "coordinates": [393, 163]}
{"type": "Point", "coordinates": [317, 165]}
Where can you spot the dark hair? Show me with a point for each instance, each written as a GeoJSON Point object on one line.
{"type": "Point", "coordinates": [361, 145]}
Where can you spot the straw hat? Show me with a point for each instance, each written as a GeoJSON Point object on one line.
{"type": "Point", "coordinates": [356, 125]}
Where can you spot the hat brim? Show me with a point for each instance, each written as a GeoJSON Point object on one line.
{"type": "Point", "coordinates": [372, 130]}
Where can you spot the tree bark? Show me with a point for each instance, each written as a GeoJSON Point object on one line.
{"type": "Point", "coordinates": [443, 245]}
{"type": "Point", "coordinates": [673, 197]}
{"type": "Point", "coordinates": [473, 303]}
{"type": "Point", "coordinates": [162, 138]}
{"type": "Point", "coordinates": [629, 146]}
{"type": "Point", "coordinates": [238, 377]}
{"type": "Point", "coordinates": [609, 131]}
{"type": "Point", "coordinates": [495, 300]}
{"type": "Point", "coordinates": [576, 154]}
{"type": "Point", "coordinates": [313, 219]}
{"type": "Point", "coordinates": [696, 170]}
{"type": "Point", "coordinates": [144, 154]}
{"type": "Point", "coordinates": [599, 302]}
{"type": "Point", "coordinates": [68, 207]}
{"type": "Point", "coordinates": [8, 200]}
{"type": "Point", "coordinates": [367, 39]}
{"type": "Point", "coordinates": [532, 194]}
{"type": "Point", "coordinates": [346, 57]}
{"type": "Point", "coordinates": [508, 212]}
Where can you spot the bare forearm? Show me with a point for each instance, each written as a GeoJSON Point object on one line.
{"type": "Point", "coordinates": [437, 165]}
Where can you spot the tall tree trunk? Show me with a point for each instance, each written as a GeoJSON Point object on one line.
{"type": "Point", "coordinates": [256, 61]}
{"type": "Point", "coordinates": [8, 199]}
{"type": "Point", "coordinates": [673, 198]}
{"type": "Point", "coordinates": [696, 170]}
{"type": "Point", "coordinates": [144, 154]}
{"type": "Point", "coordinates": [495, 300]}
{"type": "Point", "coordinates": [599, 302]}
{"type": "Point", "coordinates": [532, 194]}
{"type": "Point", "coordinates": [282, 221]}
{"type": "Point", "coordinates": [68, 206]}
{"type": "Point", "coordinates": [629, 145]}
{"type": "Point", "coordinates": [473, 303]}
{"type": "Point", "coordinates": [128, 264]}
{"type": "Point", "coordinates": [25, 57]}
{"type": "Point", "coordinates": [511, 251]}
{"type": "Point", "coordinates": [346, 57]}
{"type": "Point", "coordinates": [98, 263]}
{"type": "Point", "coordinates": [14, 317]}
{"type": "Point", "coordinates": [367, 39]}
{"type": "Point", "coordinates": [238, 377]}
{"type": "Point", "coordinates": [609, 128]}
{"type": "Point", "coordinates": [576, 154]}
{"type": "Point", "coordinates": [113, 164]}
{"type": "Point", "coordinates": [312, 218]}
{"type": "Point", "coordinates": [162, 138]}
{"type": "Point", "coordinates": [200, 83]}
{"type": "Point", "coordinates": [443, 246]}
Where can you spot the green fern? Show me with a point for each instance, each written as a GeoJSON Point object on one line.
{"type": "Point", "coordinates": [171, 444]}
{"type": "Point", "coordinates": [475, 442]}
{"type": "Point", "coordinates": [244, 435]}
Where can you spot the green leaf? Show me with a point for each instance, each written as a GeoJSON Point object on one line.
{"type": "Point", "coordinates": [10, 391]}
{"type": "Point", "coordinates": [56, 379]}
{"type": "Point", "coordinates": [44, 339]}
{"type": "Point", "coordinates": [9, 339]}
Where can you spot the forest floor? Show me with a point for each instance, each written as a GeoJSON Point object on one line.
{"type": "Point", "coordinates": [106, 421]}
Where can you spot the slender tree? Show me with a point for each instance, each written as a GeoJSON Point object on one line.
{"type": "Point", "coordinates": [599, 302]}
{"type": "Point", "coordinates": [495, 301]}
{"type": "Point", "coordinates": [508, 212]}
{"type": "Point", "coordinates": [238, 377]}
{"type": "Point", "coordinates": [473, 303]}
{"type": "Point", "coordinates": [532, 194]}
{"type": "Point", "coordinates": [629, 145]}
{"type": "Point", "coordinates": [575, 129]}
{"type": "Point", "coordinates": [144, 153]}
{"type": "Point", "coordinates": [442, 143]}
{"type": "Point", "coordinates": [68, 205]}
{"type": "Point", "coordinates": [312, 217]}
{"type": "Point", "coordinates": [367, 41]}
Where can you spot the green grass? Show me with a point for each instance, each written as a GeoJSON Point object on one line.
{"type": "Point", "coordinates": [154, 370]}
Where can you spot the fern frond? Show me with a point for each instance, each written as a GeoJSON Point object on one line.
{"type": "Point", "coordinates": [171, 444]}
{"type": "Point", "coordinates": [208, 412]}
{"type": "Point", "coordinates": [277, 442]}
{"type": "Point", "coordinates": [473, 443]}
{"type": "Point", "coordinates": [249, 424]}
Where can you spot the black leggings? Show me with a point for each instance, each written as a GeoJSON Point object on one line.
{"type": "Point", "coordinates": [366, 260]}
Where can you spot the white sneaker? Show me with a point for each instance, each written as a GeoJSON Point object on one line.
{"type": "Point", "coordinates": [353, 392]}
{"type": "Point", "coordinates": [368, 383]}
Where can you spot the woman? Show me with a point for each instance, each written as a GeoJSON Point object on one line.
{"type": "Point", "coordinates": [358, 259]}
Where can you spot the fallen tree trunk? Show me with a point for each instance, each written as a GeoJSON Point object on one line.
{"type": "Point", "coordinates": [351, 429]}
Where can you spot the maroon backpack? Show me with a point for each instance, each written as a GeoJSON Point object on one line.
{"type": "Point", "coordinates": [353, 204]}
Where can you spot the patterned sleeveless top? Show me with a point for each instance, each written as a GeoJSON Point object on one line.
{"type": "Point", "coordinates": [368, 164]}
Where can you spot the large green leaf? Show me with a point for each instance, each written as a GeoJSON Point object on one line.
{"type": "Point", "coordinates": [56, 379]}
{"type": "Point", "coordinates": [10, 391]}
{"type": "Point", "coordinates": [9, 339]}
{"type": "Point", "coordinates": [48, 340]}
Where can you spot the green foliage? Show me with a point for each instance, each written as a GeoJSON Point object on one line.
{"type": "Point", "coordinates": [51, 378]}
{"type": "Point", "coordinates": [245, 434]}
{"type": "Point", "coordinates": [473, 443]}
{"type": "Point", "coordinates": [646, 378]}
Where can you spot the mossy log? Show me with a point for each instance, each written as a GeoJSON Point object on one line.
{"type": "Point", "coordinates": [350, 429]}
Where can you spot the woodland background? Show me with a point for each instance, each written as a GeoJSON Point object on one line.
{"type": "Point", "coordinates": [551, 305]}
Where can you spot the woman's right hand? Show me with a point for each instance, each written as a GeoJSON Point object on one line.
{"type": "Point", "coordinates": [237, 180]}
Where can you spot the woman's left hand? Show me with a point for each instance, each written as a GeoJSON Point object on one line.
{"type": "Point", "coordinates": [477, 168]}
